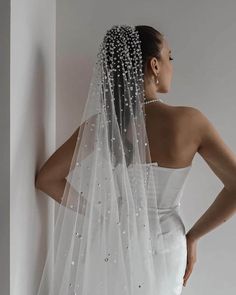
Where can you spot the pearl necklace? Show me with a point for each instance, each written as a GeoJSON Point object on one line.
{"type": "Point", "coordinates": [148, 101]}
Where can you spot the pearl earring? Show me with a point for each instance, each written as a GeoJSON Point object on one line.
{"type": "Point", "coordinates": [155, 80]}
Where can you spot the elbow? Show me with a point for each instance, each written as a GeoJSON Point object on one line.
{"type": "Point", "coordinates": [40, 182]}
{"type": "Point", "coordinates": [37, 182]}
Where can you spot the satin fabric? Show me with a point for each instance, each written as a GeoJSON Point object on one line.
{"type": "Point", "coordinates": [169, 184]}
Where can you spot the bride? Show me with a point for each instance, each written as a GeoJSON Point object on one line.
{"type": "Point", "coordinates": [119, 178]}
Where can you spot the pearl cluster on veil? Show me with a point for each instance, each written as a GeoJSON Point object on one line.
{"type": "Point", "coordinates": [120, 53]}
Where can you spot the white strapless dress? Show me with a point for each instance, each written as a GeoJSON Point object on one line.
{"type": "Point", "coordinates": [171, 183]}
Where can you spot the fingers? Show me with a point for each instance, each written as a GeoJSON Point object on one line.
{"type": "Point", "coordinates": [187, 274]}
{"type": "Point", "coordinates": [191, 258]}
{"type": "Point", "coordinates": [188, 271]}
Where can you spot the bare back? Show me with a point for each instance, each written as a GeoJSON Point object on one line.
{"type": "Point", "coordinates": [175, 133]}
{"type": "Point", "coordinates": [172, 134]}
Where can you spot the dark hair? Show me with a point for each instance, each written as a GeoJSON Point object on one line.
{"type": "Point", "coordinates": [151, 43]}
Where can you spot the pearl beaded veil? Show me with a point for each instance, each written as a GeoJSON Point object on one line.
{"type": "Point", "coordinates": [101, 243]}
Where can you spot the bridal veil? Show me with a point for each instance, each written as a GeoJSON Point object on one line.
{"type": "Point", "coordinates": [101, 243]}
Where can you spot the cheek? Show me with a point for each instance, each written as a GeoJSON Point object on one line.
{"type": "Point", "coordinates": [170, 66]}
{"type": "Point", "coordinates": [168, 70]}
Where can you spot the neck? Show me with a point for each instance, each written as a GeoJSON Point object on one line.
{"type": "Point", "coordinates": [150, 90]}
{"type": "Point", "coordinates": [151, 96]}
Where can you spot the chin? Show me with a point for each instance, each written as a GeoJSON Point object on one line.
{"type": "Point", "coordinates": [163, 90]}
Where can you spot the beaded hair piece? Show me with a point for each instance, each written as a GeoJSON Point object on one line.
{"type": "Point", "coordinates": [121, 54]}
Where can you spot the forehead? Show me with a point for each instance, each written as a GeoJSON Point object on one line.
{"type": "Point", "coordinates": [166, 46]}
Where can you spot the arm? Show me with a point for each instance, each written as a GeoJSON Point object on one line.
{"type": "Point", "coordinates": [51, 178]}
{"type": "Point", "coordinates": [222, 161]}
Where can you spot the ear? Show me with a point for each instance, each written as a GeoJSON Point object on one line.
{"type": "Point", "coordinates": [154, 66]}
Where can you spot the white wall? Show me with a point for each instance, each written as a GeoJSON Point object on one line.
{"type": "Point", "coordinates": [200, 34]}
{"type": "Point", "coordinates": [4, 146]}
{"type": "Point", "coordinates": [32, 137]}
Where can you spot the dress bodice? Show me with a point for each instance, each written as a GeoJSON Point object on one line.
{"type": "Point", "coordinates": [165, 189]}
{"type": "Point", "coordinates": [165, 186]}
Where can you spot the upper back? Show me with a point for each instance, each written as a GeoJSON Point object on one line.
{"type": "Point", "coordinates": [172, 133]}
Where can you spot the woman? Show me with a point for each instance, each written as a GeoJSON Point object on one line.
{"type": "Point", "coordinates": [164, 141]}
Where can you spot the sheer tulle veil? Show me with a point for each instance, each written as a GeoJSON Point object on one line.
{"type": "Point", "coordinates": [101, 242]}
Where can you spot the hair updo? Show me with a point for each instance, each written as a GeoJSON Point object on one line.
{"type": "Point", "coordinates": [151, 43]}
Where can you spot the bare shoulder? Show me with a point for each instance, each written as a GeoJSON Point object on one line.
{"type": "Point", "coordinates": [186, 120]}
{"type": "Point", "coordinates": [197, 122]}
{"type": "Point", "coordinates": [189, 112]}
{"type": "Point", "coordinates": [180, 112]}
{"type": "Point", "coordinates": [189, 119]}
{"type": "Point", "coordinates": [212, 147]}
{"type": "Point", "coordinates": [201, 124]}
{"type": "Point", "coordinates": [192, 117]}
